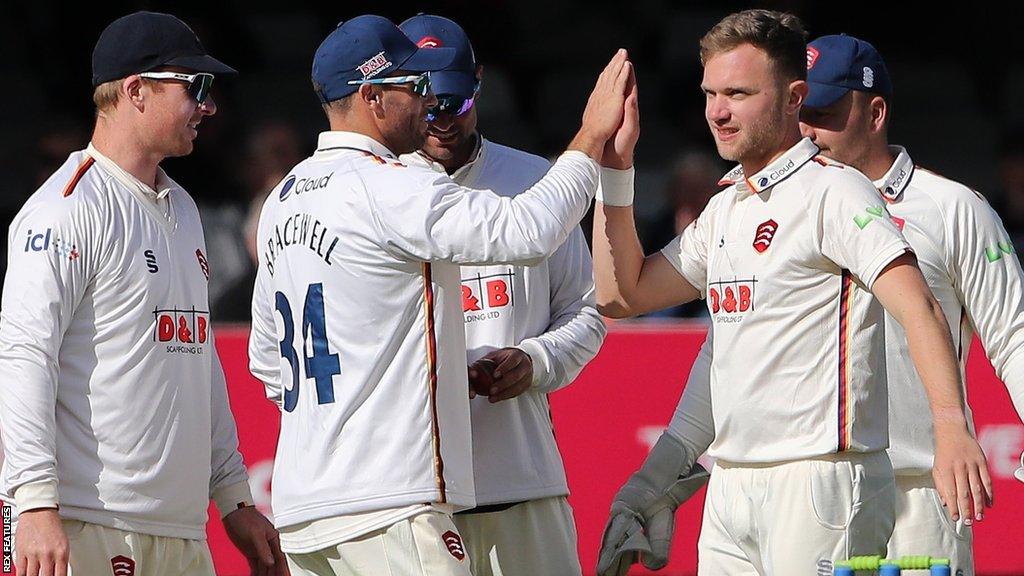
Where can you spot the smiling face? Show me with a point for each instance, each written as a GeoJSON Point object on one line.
{"type": "Point", "coordinates": [402, 116]}
{"type": "Point", "coordinates": [170, 120]}
{"type": "Point", "coordinates": [746, 104]}
{"type": "Point", "coordinates": [451, 139]}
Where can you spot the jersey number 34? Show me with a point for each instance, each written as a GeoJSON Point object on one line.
{"type": "Point", "coordinates": [322, 365]}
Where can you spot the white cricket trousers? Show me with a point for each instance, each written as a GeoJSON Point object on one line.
{"type": "Point", "coordinates": [426, 544]}
{"type": "Point", "coordinates": [796, 518]}
{"type": "Point", "coordinates": [924, 528]}
{"type": "Point", "coordinates": [534, 538]}
{"type": "Point", "coordinates": [99, 550]}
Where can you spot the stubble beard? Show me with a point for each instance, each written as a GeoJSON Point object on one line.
{"type": "Point", "coordinates": [756, 139]}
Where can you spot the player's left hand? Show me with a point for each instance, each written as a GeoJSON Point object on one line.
{"type": "Point", "coordinates": [513, 373]}
{"type": "Point", "coordinates": [257, 540]}
{"type": "Point", "coordinates": [961, 473]}
{"type": "Point", "coordinates": [618, 151]}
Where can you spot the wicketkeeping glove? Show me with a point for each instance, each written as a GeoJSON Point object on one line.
{"type": "Point", "coordinates": [642, 517]}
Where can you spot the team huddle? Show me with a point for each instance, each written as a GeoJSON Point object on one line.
{"type": "Point", "coordinates": [421, 290]}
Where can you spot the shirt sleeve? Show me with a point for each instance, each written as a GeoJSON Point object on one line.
{"type": "Point", "coordinates": [577, 330]}
{"type": "Point", "coordinates": [229, 481]}
{"type": "Point", "coordinates": [693, 423]}
{"type": "Point", "coordinates": [987, 276]}
{"type": "Point", "coordinates": [856, 231]}
{"type": "Point", "coordinates": [264, 354]}
{"type": "Point", "coordinates": [448, 222]}
{"type": "Point", "coordinates": [688, 252]}
{"type": "Point", "coordinates": [53, 250]}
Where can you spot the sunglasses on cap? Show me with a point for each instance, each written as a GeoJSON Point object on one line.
{"type": "Point", "coordinates": [452, 104]}
{"type": "Point", "coordinates": [199, 84]}
{"type": "Point", "coordinates": [420, 83]}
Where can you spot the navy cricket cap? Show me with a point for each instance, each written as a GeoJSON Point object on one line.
{"type": "Point", "coordinates": [427, 31]}
{"type": "Point", "coordinates": [366, 47]}
{"type": "Point", "coordinates": [143, 41]}
{"type": "Point", "coordinates": [837, 64]}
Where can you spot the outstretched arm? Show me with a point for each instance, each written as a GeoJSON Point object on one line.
{"type": "Point", "coordinates": [960, 470]}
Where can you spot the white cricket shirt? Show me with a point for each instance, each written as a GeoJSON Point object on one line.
{"type": "Point", "coordinates": [967, 259]}
{"type": "Point", "coordinates": [357, 320]}
{"type": "Point", "coordinates": [548, 311]}
{"type": "Point", "coordinates": [112, 400]}
{"type": "Point", "coordinates": [969, 262]}
{"type": "Point", "coordinates": [786, 258]}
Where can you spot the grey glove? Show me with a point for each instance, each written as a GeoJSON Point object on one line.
{"type": "Point", "coordinates": [622, 544]}
{"type": "Point", "coordinates": [642, 517]}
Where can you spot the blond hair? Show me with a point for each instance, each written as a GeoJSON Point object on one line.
{"type": "Point", "coordinates": [105, 95]}
{"type": "Point", "coordinates": [779, 34]}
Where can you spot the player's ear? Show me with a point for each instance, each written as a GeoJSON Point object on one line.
{"type": "Point", "coordinates": [370, 96]}
{"type": "Point", "coordinates": [798, 90]}
{"type": "Point", "coordinates": [879, 113]}
{"type": "Point", "coordinates": [131, 91]}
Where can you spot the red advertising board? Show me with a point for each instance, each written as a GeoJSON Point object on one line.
{"type": "Point", "coordinates": [609, 418]}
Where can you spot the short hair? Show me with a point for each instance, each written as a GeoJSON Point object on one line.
{"type": "Point", "coordinates": [779, 34]}
{"type": "Point", "coordinates": [105, 95]}
{"type": "Point", "coordinates": [341, 105]}
{"type": "Point", "coordinates": [338, 105]}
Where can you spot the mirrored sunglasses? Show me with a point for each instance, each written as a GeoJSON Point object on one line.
{"type": "Point", "coordinates": [199, 84]}
{"type": "Point", "coordinates": [420, 83]}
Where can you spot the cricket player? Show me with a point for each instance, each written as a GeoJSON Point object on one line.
{"type": "Point", "coordinates": [788, 257]}
{"type": "Point", "coordinates": [966, 257]}
{"type": "Point", "coordinates": [358, 330]}
{"type": "Point", "coordinates": [117, 429]}
{"type": "Point", "coordinates": [533, 326]}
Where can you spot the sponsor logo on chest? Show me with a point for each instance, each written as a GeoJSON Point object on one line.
{"type": "Point", "coordinates": [486, 296]}
{"type": "Point", "coordinates": [181, 330]}
{"type": "Point", "coordinates": [764, 235]}
{"type": "Point", "coordinates": [731, 299]}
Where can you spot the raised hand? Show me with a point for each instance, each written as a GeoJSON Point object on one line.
{"type": "Point", "coordinates": [604, 111]}
{"type": "Point", "coordinates": [618, 151]}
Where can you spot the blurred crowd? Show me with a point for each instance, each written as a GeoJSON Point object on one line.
{"type": "Point", "coordinates": [956, 114]}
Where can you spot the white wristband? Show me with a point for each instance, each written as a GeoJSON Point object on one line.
{"type": "Point", "coordinates": [616, 187]}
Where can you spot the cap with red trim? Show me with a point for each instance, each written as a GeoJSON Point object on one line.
{"type": "Point", "coordinates": [837, 64]}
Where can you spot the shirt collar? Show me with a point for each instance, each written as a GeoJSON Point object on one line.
{"type": "Point", "coordinates": [775, 172]}
{"type": "Point", "coordinates": [898, 177]}
{"type": "Point", "coordinates": [337, 139]}
{"type": "Point", "coordinates": [164, 184]}
{"type": "Point", "coordinates": [475, 159]}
